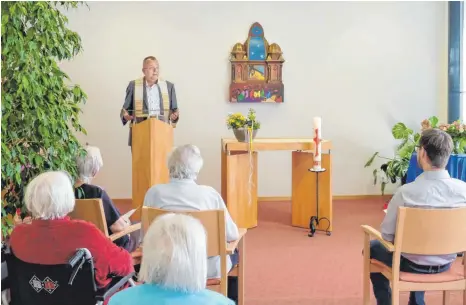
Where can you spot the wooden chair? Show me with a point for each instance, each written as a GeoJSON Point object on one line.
{"type": "Point", "coordinates": [214, 224]}
{"type": "Point", "coordinates": [92, 210]}
{"type": "Point", "coordinates": [423, 232]}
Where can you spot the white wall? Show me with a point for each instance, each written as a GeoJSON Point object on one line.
{"type": "Point", "coordinates": [361, 66]}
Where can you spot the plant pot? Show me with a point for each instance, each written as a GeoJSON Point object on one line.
{"type": "Point", "coordinates": [403, 179]}
{"type": "Point", "coordinates": [241, 134]}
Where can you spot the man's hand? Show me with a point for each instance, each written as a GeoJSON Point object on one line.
{"type": "Point", "coordinates": [127, 116]}
{"type": "Point", "coordinates": [174, 115]}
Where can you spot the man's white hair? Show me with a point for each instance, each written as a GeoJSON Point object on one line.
{"type": "Point", "coordinates": [185, 162]}
{"type": "Point", "coordinates": [174, 253]}
{"type": "Point", "coordinates": [90, 164]}
{"type": "Point", "coordinates": [50, 195]}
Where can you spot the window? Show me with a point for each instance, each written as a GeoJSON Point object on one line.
{"type": "Point", "coordinates": [462, 71]}
{"type": "Point", "coordinates": [456, 69]}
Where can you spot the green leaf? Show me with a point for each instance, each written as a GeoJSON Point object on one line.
{"type": "Point", "coordinates": [400, 131]}
{"type": "Point", "coordinates": [371, 160]}
{"type": "Point", "coordinates": [382, 187]}
{"type": "Point", "coordinates": [374, 173]}
{"type": "Point", "coordinates": [12, 10]}
{"type": "Point", "coordinates": [38, 160]}
{"type": "Point", "coordinates": [25, 82]}
{"type": "Point", "coordinates": [462, 145]}
{"type": "Point", "coordinates": [389, 172]}
{"type": "Point", "coordinates": [403, 143]}
{"type": "Point", "coordinates": [433, 121]}
{"type": "Point", "coordinates": [406, 150]}
{"type": "Point", "coordinates": [17, 178]}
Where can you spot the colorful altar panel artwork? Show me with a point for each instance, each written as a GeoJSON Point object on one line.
{"type": "Point", "coordinates": [268, 93]}
{"type": "Point", "coordinates": [256, 70]}
{"type": "Point", "coordinates": [256, 49]}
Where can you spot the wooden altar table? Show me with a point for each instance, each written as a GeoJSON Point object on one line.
{"type": "Point", "coordinates": [236, 173]}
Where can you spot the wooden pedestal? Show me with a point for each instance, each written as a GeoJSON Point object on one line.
{"type": "Point", "coordinates": [236, 178]}
{"type": "Point", "coordinates": [304, 187]}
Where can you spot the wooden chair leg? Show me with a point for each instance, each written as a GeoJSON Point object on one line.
{"type": "Point", "coordinates": [395, 295]}
{"type": "Point", "coordinates": [242, 262]}
{"type": "Point", "coordinates": [446, 297]}
{"type": "Point", "coordinates": [366, 271]}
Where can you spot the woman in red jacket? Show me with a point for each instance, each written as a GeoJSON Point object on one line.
{"type": "Point", "coordinates": [52, 237]}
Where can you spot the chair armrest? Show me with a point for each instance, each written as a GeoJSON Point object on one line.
{"type": "Point", "coordinates": [232, 245]}
{"type": "Point", "coordinates": [136, 256]}
{"type": "Point", "coordinates": [137, 252]}
{"type": "Point", "coordinates": [112, 290]}
{"type": "Point", "coordinates": [377, 235]}
{"type": "Point", "coordinates": [126, 231]}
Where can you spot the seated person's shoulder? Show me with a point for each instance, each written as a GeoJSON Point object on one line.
{"type": "Point", "coordinates": [413, 188]}
{"type": "Point", "coordinates": [156, 190]}
{"type": "Point", "coordinates": [73, 225]}
{"type": "Point", "coordinates": [127, 295]}
{"type": "Point", "coordinates": [408, 187]}
{"type": "Point", "coordinates": [458, 187]}
{"type": "Point", "coordinates": [20, 229]}
{"type": "Point", "coordinates": [214, 297]}
{"type": "Point", "coordinates": [89, 191]}
{"type": "Point", "coordinates": [458, 184]}
{"type": "Point", "coordinates": [208, 189]}
{"type": "Point", "coordinates": [82, 224]}
{"type": "Point", "coordinates": [83, 227]}
{"type": "Point", "coordinates": [145, 293]}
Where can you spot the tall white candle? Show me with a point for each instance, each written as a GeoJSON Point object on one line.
{"type": "Point", "coordinates": [317, 139]}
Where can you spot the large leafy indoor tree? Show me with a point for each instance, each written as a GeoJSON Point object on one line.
{"type": "Point", "coordinates": [40, 107]}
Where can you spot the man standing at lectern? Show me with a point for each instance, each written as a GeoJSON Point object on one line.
{"type": "Point", "coordinates": [149, 97]}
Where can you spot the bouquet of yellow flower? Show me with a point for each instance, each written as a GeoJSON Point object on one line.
{"type": "Point", "coordinates": [238, 120]}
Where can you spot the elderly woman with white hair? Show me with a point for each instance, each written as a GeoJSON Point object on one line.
{"type": "Point", "coordinates": [174, 266]}
{"type": "Point", "coordinates": [182, 193]}
{"type": "Point", "coordinates": [88, 167]}
{"type": "Point", "coordinates": [52, 237]}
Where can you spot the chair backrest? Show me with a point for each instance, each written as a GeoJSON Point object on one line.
{"type": "Point", "coordinates": [91, 210]}
{"type": "Point", "coordinates": [212, 220]}
{"type": "Point", "coordinates": [35, 284]}
{"type": "Point", "coordinates": [431, 231]}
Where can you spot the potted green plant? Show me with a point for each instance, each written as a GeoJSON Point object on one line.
{"type": "Point", "coordinates": [240, 124]}
{"type": "Point", "coordinates": [40, 109]}
{"type": "Point", "coordinates": [394, 169]}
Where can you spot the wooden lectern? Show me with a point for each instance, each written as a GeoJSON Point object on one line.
{"type": "Point", "coordinates": [239, 181]}
{"type": "Point", "coordinates": [151, 144]}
